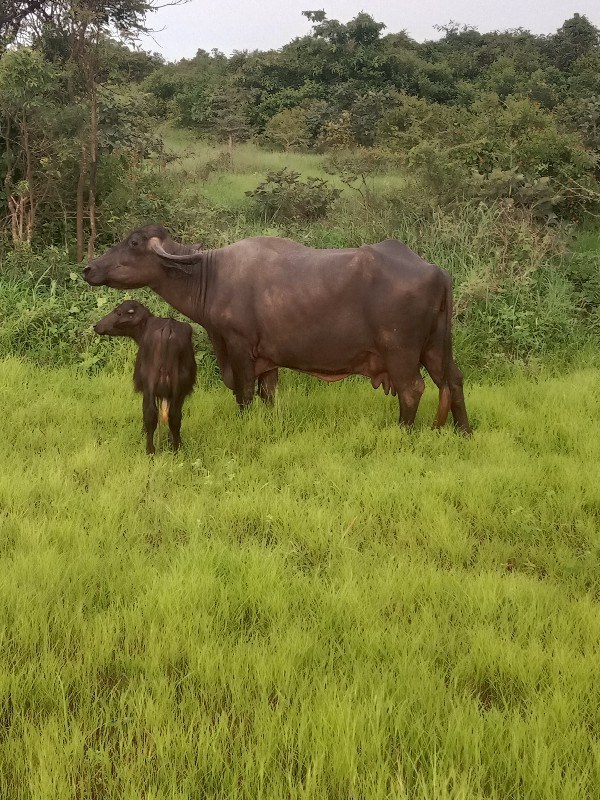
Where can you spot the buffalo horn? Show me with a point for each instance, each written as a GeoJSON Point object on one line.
{"type": "Point", "coordinates": [156, 245]}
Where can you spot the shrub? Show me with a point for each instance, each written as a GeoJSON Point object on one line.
{"type": "Point", "coordinates": [512, 151]}
{"type": "Point", "coordinates": [220, 163]}
{"type": "Point", "coordinates": [283, 195]}
{"type": "Point", "coordinates": [338, 133]}
{"type": "Point", "coordinates": [362, 161]}
{"type": "Point", "coordinates": [288, 129]}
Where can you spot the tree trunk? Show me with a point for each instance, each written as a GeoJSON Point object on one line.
{"type": "Point", "coordinates": [80, 188]}
{"type": "Point", "coordinates": [12, 206]}
{"type": "Point", "coordinates": [93, 166]}
{"type": "Point", "coordinates": [30, 191]}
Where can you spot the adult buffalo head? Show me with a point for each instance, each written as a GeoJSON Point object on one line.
{"type": "Point", "coordinates": [141, 260]}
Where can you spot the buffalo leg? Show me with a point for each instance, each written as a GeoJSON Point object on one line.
{"type": "Point", "coordinates": [452, 383]}
{"type": "Point", "coordinates": [267, 383]}
{"type": "Point", "coordinates": [242, 367]}
{"type": "Point", "coordinates": [175, 423]}
{"type": "Point", "coordinates": [150, 413]}
{"type": "Point", "coordinates": [406, 379]}
{"type": "Point", "coordinates": [432, 360]}
{"type": "Point", "coordinates": [223, 361]}
{"type": "Point", "coordinates": [459, 410]}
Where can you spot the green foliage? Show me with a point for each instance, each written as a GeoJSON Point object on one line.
{"type": "Point", "coordinates": [121, 65]}
{"type": "Point", "coordinates": [288, 129]}
{"type": "Point", "coordinates": [367, 110]}
{"type": "Point", "coordinates": [581, 267]}
{"type": "Point", "coordinates": [510, 114]}
{"type": "Point", "coordinates": [575, 38]}
{"type": "Point", "coordinates": [37, 147]}
{"type": "Point", "coordinates": [512, 150]}
{"type": "Point", "coordinates": [584, 79]}
{"type": "Point", "coordinates": [338, 134]}
{"type": "Point", "coordinates": [285, 196]}
{"type": "Point", "coordinates": [584, 116]}
{"type": "Point", "coordinates": [362, 161]}
{"type": "Point", "coordinates": [46, 311]}
{"type": "Point", "coordinates": [127, 125]}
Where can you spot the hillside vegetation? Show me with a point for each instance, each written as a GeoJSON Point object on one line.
{"type": "Point", "coordinates": [525, 295]}
{"type": "Point", "coordinates": [479, 150]}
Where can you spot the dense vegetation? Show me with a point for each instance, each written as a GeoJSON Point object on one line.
{"type": "Point", "coordinates": [479, 150]}
{"type": "Point", "coordinates": [509, 116]}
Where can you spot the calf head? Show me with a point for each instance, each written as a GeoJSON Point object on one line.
{"type": "Point", "coordinates": [128, 319]}
{"type": "Point", "coordinates": [144, 258]}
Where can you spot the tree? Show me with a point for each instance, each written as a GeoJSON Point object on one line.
{"type": "Point", "coordinates": [576, 37]}
{"type": "Point", "coordinates": [288, 129]}
{"type": "Point", "coordinates": [76, 30]}
{"type": "Point", "coordinates": [28, 97]}
{"type": "Point", "coordinates": [15, 13]}
{"type": "Point", "coordinates": [228, 112]}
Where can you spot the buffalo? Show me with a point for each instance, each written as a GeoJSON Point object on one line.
{"type": "Point", "coordinates": [165, 367]}
{"type": "Point", "coordinates": [266, 302]}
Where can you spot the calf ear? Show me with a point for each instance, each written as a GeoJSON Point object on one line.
{"type": "Point", "coordinates": [181, 263]}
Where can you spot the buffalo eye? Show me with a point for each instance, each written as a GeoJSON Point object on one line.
{"type": "Point", "coordinates": [134, 243]}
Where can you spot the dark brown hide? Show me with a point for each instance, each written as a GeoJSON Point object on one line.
{"type": "Point", "coordinates": [165, 367]}
{"type": "Point", "coordinates": [377, 310]}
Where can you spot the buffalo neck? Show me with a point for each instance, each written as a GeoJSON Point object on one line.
{"type": "Point", "coordinates": [188, 292]}
{"type": "Point", "coordinates": [137, 333]}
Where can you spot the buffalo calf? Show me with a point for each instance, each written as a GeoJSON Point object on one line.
{"type": "Point", "coordinates": [165, 367]}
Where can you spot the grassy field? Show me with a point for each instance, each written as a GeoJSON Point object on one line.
{"type": "Point", "coordinates": [249, 165]}
{"type": "Point", "coordinates": [306, 602]}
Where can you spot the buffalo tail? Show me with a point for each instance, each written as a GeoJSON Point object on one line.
{"type": "Point", "coordinates": [445, 397]}
{"type": "Point", "coordinates": [164, 411]}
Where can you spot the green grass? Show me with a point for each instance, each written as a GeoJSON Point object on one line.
{"type": "Point", "coordinates": [249, 165]}
{"type": "Point", "coordinates": [306, 602]}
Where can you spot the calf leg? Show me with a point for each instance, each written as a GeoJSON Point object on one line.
{"type": "Point", "coordinates": [175, 423]}
{"type": "Point", "coordinates": [150, 413]}
{"type": "Point", "coordinates": [406, 378]}
{"type": "Point", "coordinates": [267, 383]}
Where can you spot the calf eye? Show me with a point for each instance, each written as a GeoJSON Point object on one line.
{"type": "Point", "coordinates": [134, 243]}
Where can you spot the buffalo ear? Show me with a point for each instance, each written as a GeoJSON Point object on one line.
{"type": "Point", "coordinates": [181, 263]}
{"type": "Point", "coordinates": [185, 268]}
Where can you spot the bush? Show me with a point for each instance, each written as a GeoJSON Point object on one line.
{"type": "Point", "coordinates": [513, 151]}
{"type": "Point", "coordinates": [288, 129]}
{"type": "Point", "coordinates": [283, 195]}
{"type": "Point", "coordinates": [144, 194]}
{"type": "Point", "coordinates": [338, 133]}
{"type": "Point", "coordinates": [362, 161]}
